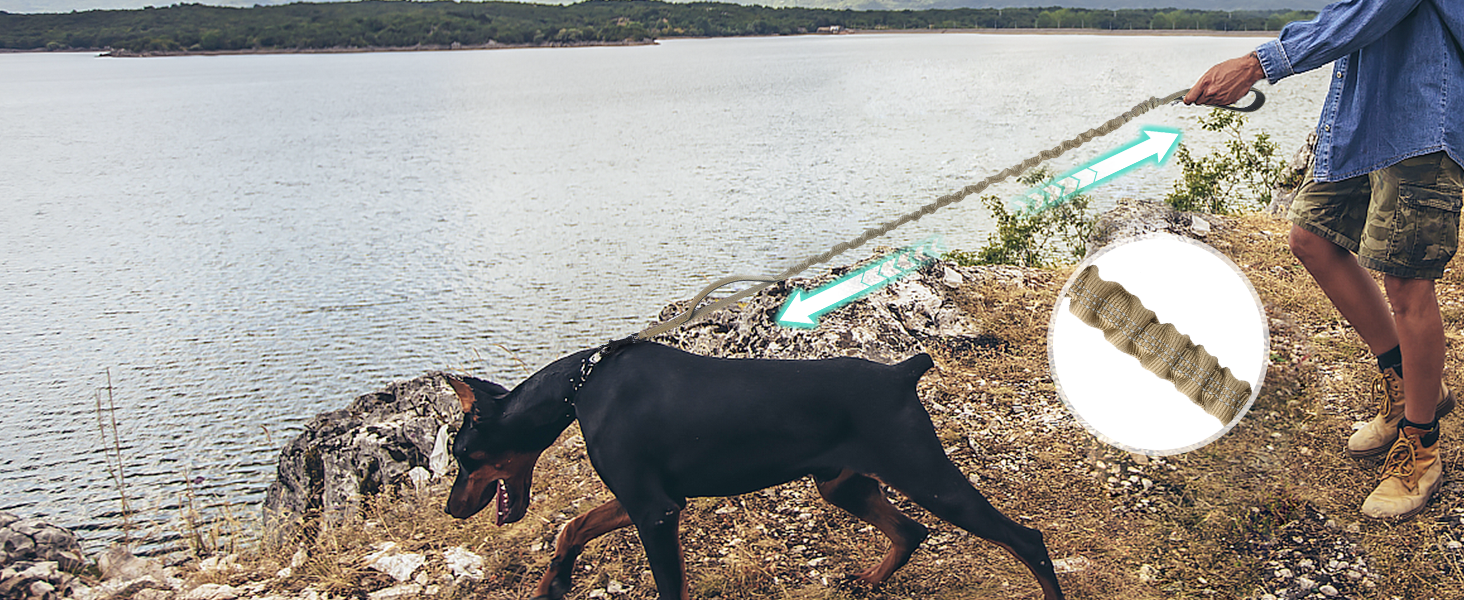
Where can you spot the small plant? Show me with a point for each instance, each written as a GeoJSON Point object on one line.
{"type": "Point", "coordinates": [217, 535]}
{"type": "Point", "coordinates": [112, 452]}
{"type": "Point", "coordinates": [1058, 235]}
{"type": "Point", "coordinates": [1238, 178]}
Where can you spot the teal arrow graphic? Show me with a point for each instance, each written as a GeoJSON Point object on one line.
{"type": "Point", "coordinates": [803, 308]}
{"type": "Point", "coordinates": [1154, 142]}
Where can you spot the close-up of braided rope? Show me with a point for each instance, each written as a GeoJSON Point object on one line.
{"type": "Point", "coordinates": [1160, 347]}
{"type": "Point", "coordinates": [695, 311]}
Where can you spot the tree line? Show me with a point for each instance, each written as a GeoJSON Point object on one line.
{"type": "Point", "coordinates": [407, 24]}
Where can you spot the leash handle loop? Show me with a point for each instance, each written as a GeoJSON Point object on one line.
{"type": "Point", "coordinates": [1254, 106]}
{"type": "Point", "coordinates": [696, 311]}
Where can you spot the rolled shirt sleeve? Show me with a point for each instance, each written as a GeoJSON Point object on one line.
{"type": "Point", "coordinates": [1341, 28]}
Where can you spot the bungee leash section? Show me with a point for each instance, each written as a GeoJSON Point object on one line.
{"type": "Point", "coordinates": [1160, 348]}
{"type": "Point", "coordinates": [696, 311]}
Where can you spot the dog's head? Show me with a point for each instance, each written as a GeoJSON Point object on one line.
{"type": "Point", "coordinates": [493, 466]}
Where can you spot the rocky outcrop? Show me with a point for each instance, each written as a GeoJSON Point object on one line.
{"type": "Point", "coordinates": [886, 326]}
{"type": "Point", "coordinates": [38, 560]}
{"type": "Point", "coordinates": [35, 581]}
{"type": "Point", "coordinates": [384, 438]}
{"type": "Point", "coordinates": [128, 576]}
{"type": "Point", "coordinates": [41, 561]}
{"type": "Point", "coordinates": [1135, 218]}
{"type": "Point", "coordinates": [35, 540]}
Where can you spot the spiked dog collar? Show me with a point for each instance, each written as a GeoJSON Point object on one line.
{"type": "Point", "coordinates": [591, 360]}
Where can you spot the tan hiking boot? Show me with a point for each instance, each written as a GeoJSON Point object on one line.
{"type": "Point", "coordinates": [1411, 475]}
{"type": "Point", "coordinates": [1379, 434]}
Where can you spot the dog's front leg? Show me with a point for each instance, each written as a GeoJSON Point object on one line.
{"type": "Point", "coordinates": [660, 535]}
{"type": "Point", "coordinates": [603, 519]}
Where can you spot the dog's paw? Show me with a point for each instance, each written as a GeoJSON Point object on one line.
{"type": "Point", "coordinates": [866, 578]}
{"type": "Point", "coordinates": [557, 591]}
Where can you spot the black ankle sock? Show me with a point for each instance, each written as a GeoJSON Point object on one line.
{"type": "Point", "coordinates": [1392, 358]}
{"type": "Point", "coordinates": [1432, 429]}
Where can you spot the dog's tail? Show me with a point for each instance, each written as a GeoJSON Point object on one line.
{"type": "Point", "coordinates": [915, 366]}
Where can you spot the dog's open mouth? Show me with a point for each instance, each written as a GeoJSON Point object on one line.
{"type": "Point", "coordinates": [500, 503]}
{"type": "Point", "coordinates": [508, 502]}
{"type": "Point", "coordinates": [508, 497]}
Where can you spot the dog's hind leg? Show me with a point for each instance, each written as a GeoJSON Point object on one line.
{"type": "Point", "coordinates": [603, 519]}
{"type": "Point", "coordinates": [941, 488]}
{"type": "Point", "coordinates": [861, 496]}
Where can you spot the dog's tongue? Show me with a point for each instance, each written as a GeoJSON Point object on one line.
{"type": "Point", "coordinates": [500, 502]}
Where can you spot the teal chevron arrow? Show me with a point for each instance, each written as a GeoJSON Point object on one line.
{"type": "Point", "coordinates": [803, 308]}
{"type": "Point", "coordinates": [1154, 142]}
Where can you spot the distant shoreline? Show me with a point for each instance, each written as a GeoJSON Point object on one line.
{"type": "Point", "coordinates": [187, 29]}
{"type": "Point", "coordinates": [1077, 31]}
{"type": "Point", "coordinates": [354, 50]}
{"type": "Point", "coordinates": [105, 53]}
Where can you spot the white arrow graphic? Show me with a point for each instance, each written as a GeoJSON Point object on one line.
{"type": "Point", "coordinates": [1155, 142]}
{"type": "Point", "coordinates": [803, 308]}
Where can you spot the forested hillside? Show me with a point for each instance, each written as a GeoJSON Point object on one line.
{"type": "Point", "coordinates": [383, 24]}
{"type": "Point", "coordinates": [61, 6]}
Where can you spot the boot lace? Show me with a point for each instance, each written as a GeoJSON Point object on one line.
{"type": "Point", "coordinates": [1381, 394]}
{"type": "Point", "coordinates": [1400, 459]}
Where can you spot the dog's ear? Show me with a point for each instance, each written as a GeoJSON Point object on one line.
{"type": "Point", "coordinates": [464, 393]}
{"type": "Point", "coordinates": [470, 389]}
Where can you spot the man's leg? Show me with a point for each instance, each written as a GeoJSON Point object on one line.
{"type": "Point", "coordinates": [1329, 223]}
{"type": "Point", "coordinates": [1413, 472]}
{"type": "Point", "coordinates": [1353, 291]}
{"type": "Point", "coordinates": [1411, 234]}
{"type": "Point", "coordinates": [1350, 288]}
{"type": "Point", "coordinates": [1421, 331]}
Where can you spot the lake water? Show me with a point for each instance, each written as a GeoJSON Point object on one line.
{"type": "Point", "coordinates": [245, 241]}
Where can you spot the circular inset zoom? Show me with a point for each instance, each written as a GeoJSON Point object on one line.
{"type": "Point", "coordinates": [1158, 345]}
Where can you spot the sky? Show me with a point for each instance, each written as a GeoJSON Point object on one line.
{"type": "Point", "coordinates": [56, 6]}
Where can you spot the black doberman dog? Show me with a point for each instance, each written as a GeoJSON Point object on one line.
{"type": "Point", "coordinates": [661, 425]}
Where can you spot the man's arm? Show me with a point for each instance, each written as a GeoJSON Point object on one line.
{"type": "Point", "coordinates": [1339, 29]}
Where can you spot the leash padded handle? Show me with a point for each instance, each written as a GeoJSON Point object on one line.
{"type": "Point", "coordinates": [1254, 106]}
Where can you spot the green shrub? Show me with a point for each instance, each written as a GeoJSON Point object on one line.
{"type": "Point", "coordinates": [1058, 235]}
{"type": "Point", "coordinates": [1237, 178]}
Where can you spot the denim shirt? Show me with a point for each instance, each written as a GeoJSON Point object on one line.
{"type": "Point", "coordinates": [1397, 85]}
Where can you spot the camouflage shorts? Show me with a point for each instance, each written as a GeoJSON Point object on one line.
{"type": "Point", "coordinates": [1401, 220]}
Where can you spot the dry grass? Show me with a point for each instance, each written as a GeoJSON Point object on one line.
{"type": "Point", "coordinates": [1218, 522]}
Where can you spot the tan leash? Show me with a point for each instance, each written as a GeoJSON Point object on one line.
{"type": "Point", "coordinates": [696, 311]}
